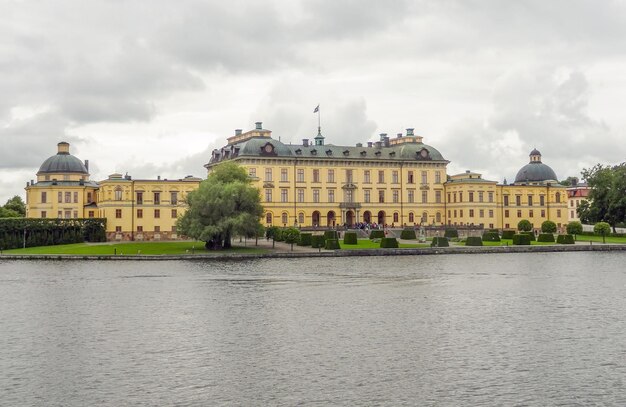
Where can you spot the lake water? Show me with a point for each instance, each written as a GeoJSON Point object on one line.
{"type": "Point", "coordinates": [510, 329]}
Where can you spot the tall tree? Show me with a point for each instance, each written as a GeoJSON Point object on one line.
{"type": "Point", "coordinates": [14, 208]}
{"type": "Point", "coordinates": [607, 195]}
{"type": "Point", "coordinates": [225, 205]}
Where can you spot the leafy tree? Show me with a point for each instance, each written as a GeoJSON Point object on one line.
{"type": "Point", "coordinates": [224, 205]}
{"type": "Point", "coordinates": [569, 181]}
{"type": "Point", "coordinates": [524, 225]}
{"type": "Point", "coordinates": [574, 228]}
{"type": "Point", "coordinates": [9, 213]}
{"type": "Point", "coordinates": [548, 227]}
{"type": "Point", "coordinates": [607, 195]}
{"type": "Point", "coordinates": [602, 228]}
{"type": "Point", "coordinates": [291, 235]}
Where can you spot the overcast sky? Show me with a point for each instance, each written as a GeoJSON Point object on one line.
{"type": "Point", "coordinates": [151, 87]}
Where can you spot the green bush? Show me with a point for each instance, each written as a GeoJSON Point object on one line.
{"type": "Point", "coordinates": [389, 243]}
{"type": "Point", "coordinates": [522, 239]}
{"type": "Point", "coordinates": [305, 239]}
{"type": "Point", "coordinates": [317, 241]}
{"type": "Point", "coordinates": [508, 234]}
{"type": "Point", "coordinates": [377, 234]}
{"type": "Point", "coordinates": [451, 233]}
{"type": "Point", "coordinates": [524, 225]}
{"type": "Point", "coordinates": [545, 237]}
{"type": "Point", "coordinates": [46, 232]}
{"type": "Point", "coordinates": [291, 235]}
{"type": "Point", "coordinates": [439, 242]}
{"type": "Point", "coordinates": [270, 232]}
{"type": "Point", "coordinates": [278, 235]}
{"type": "Point", "coordinates": [602, 229]}
{"type": "Point", "coordinates": [491, 237]}
{"type": "Point", "coordinates": [548, 227]}
{"type": "Point", "coordinates": [350, 238]}
{"type": "Point", "coordinates": [565, 239]}
{"type": "Point", "coordinates": [330, 234]}
{"type": "Point", "coordinates": [474, 241]}
{"type": "Point", "coordinates": [574, 228]}
{"type": "Point", "coordinates": [531, 235]}
{"type": "Point", "coordinates": [408, 234]}
{"type": "Point", "coordinates": [332, 244]}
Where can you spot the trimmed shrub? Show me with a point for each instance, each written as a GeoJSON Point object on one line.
{"type": "Point", "coordinates": [451, 233]}
{"type": "Point", "coordinates": [548, 227]}
{"type": "Point", "coordinates": [305, 239]}
{"type": "Point", "coordinates": [474, 241]}
{"type": "Point", "coordinates": [291, 235]}
{"type": "Point", "coordinates": [408, 234]}
{"type": "Point", "coordinates": [524, 225]}
{"type": "Point", "coordinates": [377, 234]}
{"type": "Point", "coordinates": [531, 235]}
{"type": "Point", "coordinates": [440, 242]}
{"type": "Point", "coordinates": [332, 244]}
{"type": "Point", "coordinates": [350, 238]}
{"type": "Point", "coordinates": [317, 241]}
{"type": "Point", "coordinates": [491, 237]}
{"type": "Point", "coordinates": [508, 234]}
{"type": "Point", "coordinates": [545, 237]}
{"type": "Point", "coordinates": [46, 232]}
{"type": "Point", "coordinates": [522, 239]}
{"type": "Point", "coordinates": [602, 229]}
{"type": "Point", "coordinates": [278, 235]}
{"type": "Point", "coordinates": [330, 234]}
{"type": "Point", "coordinates": [389, 243]}
{"type": "Point", "coordinates": [565, 239]}
{"type": "Point", "coordinates": [574, 228]}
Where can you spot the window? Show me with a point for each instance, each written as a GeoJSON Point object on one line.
{"type": "Point", "coordinates": [349, 176]}
{"type": "Point", "coordinates": [366, 195]}
{"type": "Point", "coordinates": [461, 213]}
{"type": "Point", "coordinates": [519, 213]}
{"type": "Point", "coordinates": [449, 199]}
{"type": "Point", "coordinates": [60, 197]}
{"type": "Point", "coordinates": [331, 175]}
{"type": "Point", "coordinates": [118, 194]}
{"type": "Point", "coordinates": [174, 198]}
{"type": "Point", "coordinates": [518, 200]}
{"type": "Point", "coordinates": [157, 213]}
{"type": "Point", "coordinates": [366, 177]}
{"type": "Point", "coordinates": [92, 214]}
{"type": "Point", "coordinates": [283, 195]}
{"type": "Point", "coordinates": [437, 177]}
{"type": "Point", "coordinates": [471, 197]}
{"type": "Point", "coordinates": [542, 200]}
{"type": "Point", "coordinates": [394, 177]}
{"type": "Point", "coordinates": [157, 198]}
{"type": "Point", "coordinates": [252, 172]}
{"type": "Point", "coordinates": [89, 197]}
{"type": "Point", "coordinates": [316, 175]}
{"type": "Point", "coordinates": [424, 196]}
{"type": "Point", "coordinates": [174, 213]}
{"type": "Point", "coordinates": [481, 213]}
{"type": "Point", "coordinates": [506, 200]}
{"type": "Point", "coordinates": [284, 218]}
{"type": "Point", "coordinates": [284, 175]}
{"type": "Point", "coordinates": [75, 214]}
{"type": "Point", "coordinates": [68, 197]}
{"type": "Point", "coordinates": [301, 218]}
{"type": "Point", "coordinates": [75, 197]}
{"type": "Point", "coordinates": [139, 229]}
{"type": "Point", "coordinates": [411, 196]}
{"type": "Point", "coordinates": [455, 213]}
{"type": "Point", "coordinates": [481, 196]}
{"type": "Point", "coordinates": [316, 195]}
{"type": "Point", "coordinates": [381, 177]}
{"type": "Point", "coordinates": [301, 196]}
{"type": "Point", "coordinates": [438, 196]}
{"type": "Point", "coordinates": [300, 175]}
{"type": "Point", "coordinates": [43, 214]}
{"type": "Point", "coordinates": [438, 217]}
{"type": "Point", "coordinates": [543, 213]}
{"type": "Point", "coordinates": [471, 213]}
{"type": "Point", "coordinates": [268, 174]}
{"type": "Point", "coordinates": [381, 196]}
{"type": "Point", "coordinates": [59, 214]}
{"type": "Point", "coordinates": [395, 216]}
{"type": "Point", "coordinates": [558, 213]}
{"type": "Point", "coordinates": [530, 200]}
{"type": "Point", "coordinates": [118, 229]}
{"type": "Point", "coordinates": [490, 194]}
{"type": "Point", "coordinates": [530, 213]}
{"type": "Point", "coordinates": [268, 218]}
{"type": "Point", "coordinates": [424, 177]}
{"type": "Point", "coordinates": [349, 195]}
{"type": "Point", "coordinates": [410, 178]}
{"type": "Point", "coordinates": [118, 213]}
{"type": "Point", "coordinates": [571, 214]}
{"type": "Point", "coordinates": [491, 213]}
{"type": "Point", "coordinates": [460, 196]}
{"type": "Point", "coordinates": [268, 195]}
{"type": "Point", "coordinates": [558, 197]}
{"type": "Point", "coordinates": [157, 229]}
{"type": "Point", "coordinates": [44, 197]}
{"type": "Point", "coordinates": [139, 213]}
{"type": "Point", "coordinates": [411, 217]}
{"type": "Point", "coordinates": [139, 198]}
{"type": "Point", "coordinates": [449, 213]}
{"type": "Point", "coordinates": [395, 196]}
{"type": "Point", "coordinates": [506, 213]}
{"type": "Point", "coordinates": [331, 195]}
{"type": "Point", "coordinates": [455, 197]}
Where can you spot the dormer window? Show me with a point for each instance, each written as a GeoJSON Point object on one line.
{"type": "Point", "coordinates": [346, 153]}
{"type": "Point", "coordinates": [268, 149]}
{"type": "Point", "coordinates": [377, 153]}
{"type": "Point", "coordinates": [313, 152]}
{"type": "Point", "coordinates": [299, 152]}
{"type": "Point", "coordinates": [363, 153]}
{"type": "Point", "coordinates": [392, 154]}
{"type": "Point", "coordinates": [329, 152]}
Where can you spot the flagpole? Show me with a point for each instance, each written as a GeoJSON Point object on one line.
{"type": "Point", "coordinates": [319, 120]}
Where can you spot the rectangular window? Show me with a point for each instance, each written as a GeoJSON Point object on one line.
{"type": "Point", "coordinates": [157, 229]}
{"type": "Point", "coordinates": [284, 175]}
{"type": "Point", "coordinates": [139, 213]}
{"type": "Point", "coordinates": [366, 177]}
{"type": "Point", "coordinates": [139, 198]}
{"type": "Point", "coordinates": [349, 179]}
{"type": "Point", "coordinates": [396, 196]}
{"type": "Point", "coordinates": [394, 177]}
{"type": "Point", "coordinates": [118, 213]}
{"type": "Point", "coordinates": [424, 177]}
{"type": "Point", "coordinates": [530, 200]}
{"type": "Point", "coordinates": [481, 213]}
{"type": "Point", "coordinates": [331, 195]}
{"type": "Point", "coordinates": [118, 229]}
{"type": "Point", "coordinates": [348, 195]}
{"type": "Point", "coordinates": [60, 197]}
{"type": "Point", "coordinates": [455, 197]}
{"type": "Point", "coordinates": [542, 200]}
{"type": "Point", "coordinates": [411, 196]}
{"type": "Point", "coordinates": [139, 229]}
{"type": "Point", "coordinates": [506, 200]}
{"type": "Point", "coordinates": [43, 214]}
{"type": "Point", "coordinates": [449, 213]}
{"type": "Point", "coordinates": [381, 177]}
{"type": "Point", "coordinates": [59, 214]}
{"type": "Point", "coordinates": [316, 195]}
{"type": "Point", "coordinates": [471, 197]}
{"type": "Point", "coordinates": [424, 196]}
{"type": "Point", "coordinates": [518, 200]}
{"type": "Point", "coordinates": [460, 196]}
{"type": "Point", "coordinates": [506, 213]}
{"type": "Point", "coordinates": [174, 213]}
{"type": "Point", "coordinates": [68, 197]}
{"type": "Point", "coordinates": [92, 214]}
{"type": "Point", "coordinates": [437, 177]}
{"type": "Point", "coordinates": [44, 197]}
{"type": "Point", "coordinates": [174, 198]}
{"type": "Point", "coordinates": [75, 214]}
{"type": "Point", "coordinates": [316, 175]}
{"type": "Point", "coordinates": [301, 195]}
{"type": "Point", "coordinates": [75, 197]}
{"type": "Point", "coordinates": [157, 213]}
{"type": "Point", "coordinates": [268, 195]}
{"type": "Point", "coordinates": [268, 174]}
{"type": "Point", "coordinates": [449, 200]}
{"type": "Point", "coordinates": [491, 213]}
{"type": "Point", "coordinates": [490, 194]}
{"type": "Point", "coordinates": [455, 213]}
{"type": "Point", "coordinates": [118, 194]}
{"type": "Point", "coordinates": [530, 213]}
{"type": "Point", "coordinates": [460, 213]}
{"type": "Point", "coordinates": [173, 229]}
{"type": "Point", "coordinates": [283, 195]}
{"type": "Point", "coordinates": [543, 213]}
{"type": "Point", "coordinates": [438, 196]}
{"type": "Point", "coordinates": [471, 213]}
{"type": "Point", "coordinates": [252, 172]}
{"type": "Point", "coordinates": [157, 198]}
{"type": "Point", "coordinates": [89, 197]}
{"type": "Point", "coordinates": [519, 213]}
{"type": "Point", "coordinates": [300, 175]}
{"type": "Point", "coordinates": [410, 178]}
{"type": "Point", "coordinates": [331, 175]}
{"type": "Point", "coordinates": [366, 195]}
{"type": "Point", "coordinates": [481, 196]}
{"type": "Point", "coordinates": [381, 196]}
{"type": "Point", "coordinates": [558, 213]}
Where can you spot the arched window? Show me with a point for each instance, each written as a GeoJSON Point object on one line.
{"type": "Point", "coordinates": [438, 217]}
{"type": "Point", "coordinates": [395, 217]}
{"type": "Point", "coordinates": [301, 218]}
{"type": "Point", "coordinates": [285, 218]}
{"type": "Point", "coordinates": [411, 217]}
{"type": "Point", "coordinates": [118, 193]}
{"type": "Point", "coordinates": [268, 218]}
{"type": "Point", "coordinates": [425, 217]}
{"type": "Point", "coordinates": [558, 197]}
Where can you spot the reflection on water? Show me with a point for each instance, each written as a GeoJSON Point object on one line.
{"type": "Point", "coordinates": [528, 329]}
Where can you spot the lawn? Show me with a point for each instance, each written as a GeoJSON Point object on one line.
{"type": "Point", "coordinates": [132, 248]}
{"type": "Point", "coordinates": [609, 239]}
{"type": "Point", "coordinates": [368, 244]}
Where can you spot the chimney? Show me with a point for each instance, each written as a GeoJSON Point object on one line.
{"type": "Point", "coordinates": [409, 132]}
{"type": "Point", "coordinates": [32, 182]}
{"type": "Point", "coordinates": [259, 125]}
{"type": "Point", "coordinates": [369, 144]}
{"type": "Point", "coordinates": [87, 165]}
{"type": "Point", "coordinates": [379, 144]}
{"type": "Point", "coordinates": [399, 135]}
{"type": "Point", "coordinates": [359, 144]}
{"type": "Point", "coordinates": [305, 142]}
{"type": "Point", "coordinates": [158, 178]}
{"type": "Point", "coordinates": [386, 141]}
{"type": "Point", "coordinates": [382, 136]}
{"type": "Point", "coordinates": [237, 132]}
{"type": "Point", "coordinates": [63, 148]}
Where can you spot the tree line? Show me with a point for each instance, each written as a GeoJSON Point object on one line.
{"type": "Point", "coordinates": [607, 195]}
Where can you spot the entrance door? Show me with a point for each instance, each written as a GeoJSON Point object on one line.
{"type": "Point", "coordinates": [350, 218]}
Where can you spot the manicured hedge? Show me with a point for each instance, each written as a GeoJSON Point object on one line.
{"type": "Point", "coordinates": [377, 234]}
{"type": "Point", "coordinates": [440, 242]}
{"type": "Point", "coordinates": [330, 234]}
{"type": "Point", "coordinates": [305, 239]}
{"type": "Point", "coordinates": [332, 244]}
{"type": "Point", "coordinates": [491, 237]}
{"type": "Point", "coordinates": [389, 243]}
{"type": "Point", "coordinates": [474, 241]}
{"type": "Point", "coordinates": [508, 234]}
{"type": "Point", "coordinates": [317, 241]}
{"type": "Point", "coordinates": [531, 235]}
{"type": "Point", "coordinates": [545, 237]}
{"type": "Point", "coordinates": [350, 238]}
{"type": "Point", "coordinates": [408, 234]}
{"type": "Point", "coordinates": [451, 233]}
{"type": "Point", "coordinates": [47, 232]}
{"type": "Point", "coordinates": [522, 239]}
{"type": "Point", "coordinates": [565, 239]}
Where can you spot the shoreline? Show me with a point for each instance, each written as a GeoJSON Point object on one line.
{"type": "Point", "coordinates": [426, 251]}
